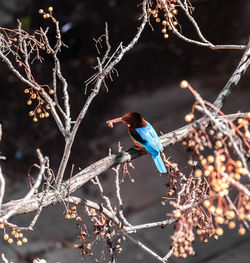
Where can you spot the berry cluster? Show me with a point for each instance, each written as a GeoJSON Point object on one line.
{"type": "Point", "coordinates": [41, 109]}
{"type": "Point", "coordinates": [214, 194]}
{"type": "Point", "coordinates": [72, 212]}
{"type": "Point", "coordinates": [47, 15]}
{"type": "Point", "coordinates": [222, 172]}
{"type": "Point", "coordinates": [169, 16]}
{"type": "Point", "coordinates": [182, 240]}
{"type": "Point", "coordinates": [13, 235]}
{"type": "Point", "coordinates": [102, 230]}
{"type": "Point", "coordinates": [83, 244]}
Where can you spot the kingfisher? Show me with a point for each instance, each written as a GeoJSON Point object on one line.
{"type": "Point", "coordinates": [143, 135]}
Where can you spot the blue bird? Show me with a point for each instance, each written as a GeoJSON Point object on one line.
{"type": "Point", "coordinates": [143, 135]}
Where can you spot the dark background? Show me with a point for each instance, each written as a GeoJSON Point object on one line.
{"type": "Point", "coordinates": [148, 82]}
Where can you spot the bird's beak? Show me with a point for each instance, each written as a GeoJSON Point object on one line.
{"type": "Point", "coordinates": [117, 120]}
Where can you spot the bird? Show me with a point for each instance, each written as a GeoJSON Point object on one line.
{"type": "Point", "coordinates": [143, 135]}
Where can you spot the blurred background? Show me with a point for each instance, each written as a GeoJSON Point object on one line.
{"type": "Point", "coordinates": [148, 83]}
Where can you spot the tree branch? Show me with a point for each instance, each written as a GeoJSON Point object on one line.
{"type": "Point", "coordinates": [235, 78]}
{"type": "Point", "coordinates": [85, 175]}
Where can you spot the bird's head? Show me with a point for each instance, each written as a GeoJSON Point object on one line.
{"type": "Point", "coordinates": [132, 119]}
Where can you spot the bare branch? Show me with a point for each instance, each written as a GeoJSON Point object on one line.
{"type": "Point", "coordinates": [5, 259]}
{"type": "Point", "coordinates": [161, 224]}
{"type": "Point", "coordinates": [235, 78]}
{"type": "Point", "coordinates": [204, 42]}
{"type": "Point", "coordinates": [143, 247]}
{"type": "Point", "coordinates": [29, 195]}
{"type": "Point", "coordinates": [94, 93]}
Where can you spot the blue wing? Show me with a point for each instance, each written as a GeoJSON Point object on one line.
{"type": "Point", "coordinates": [152, 142]}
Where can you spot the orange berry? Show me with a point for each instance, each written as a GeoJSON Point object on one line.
{"type": "Point", "coordinates": [242, 171]}
{"type": "Point", "coordinates": [237, 176]}
{"type": "Point", "coordinates": [219, 219]}
{"type": "Point", "coordinates": [241, 216]}
{"type": "Point", "coordinates": [240, 120]}
{"type": "Point", "coordinates": [238, 164]}
{"type": "Point", "coordinates": [10, 240]}
{"type": "Point", "coordinates": [6, 237]}
{"type": "Point", "coordinates": [219, 211]}
{"type": "Point", "coordinates": [218, 144]}
{"type": "Point", "coordinates": [177, 213]}
{"type": "Point", "coordinates": [212, 209]}
{"type": "Point", "coordinates": [41, 115]}
{"type": "Point", "coordinates": [189, 117]}
{"type": "Point", "coordinates": [207, 203]}
{"type": "Point", "coordinates": [19, 242]}
{"type": "Point", "coordinates": [230, 214]}
{"type": "Point", "coordinates": [242, 231]}
{"type": "Point", "coordinates": [175, 12]}
{"type": "Point", "coordinates": [231, 225]}
{"type": "Point", "coordinates": [210, 159]}
{"type": "Point", "coordinates": [33, 96]}
{"type": "Point", "coordinates": [219, 231]}
{"type": "Point", "coordinates": [24, 240]}
{"type": "Point", "coordinates": [184, 84]}
{"type": "Point", "coordinates": [198, 173]}
{"type": "Point", "coordinates": [67, 216]}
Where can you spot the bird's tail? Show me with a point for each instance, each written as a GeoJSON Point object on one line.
{"type": "Point", "coordinates": [159, 163]}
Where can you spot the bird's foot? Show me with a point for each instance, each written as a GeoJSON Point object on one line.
{"type": "Point", "coordinates": [137, 148]}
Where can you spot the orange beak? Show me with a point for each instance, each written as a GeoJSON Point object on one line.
{"type": "Point", "coordinates": [117, 120]}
